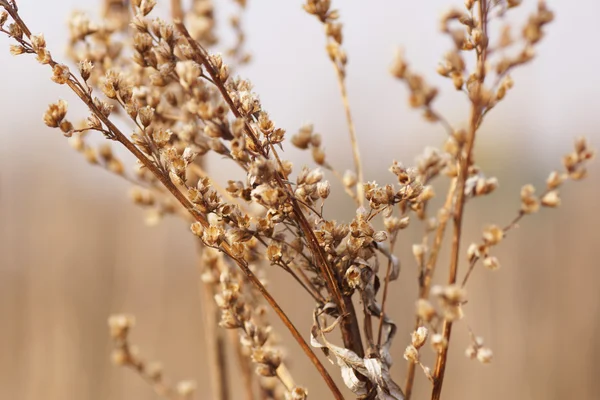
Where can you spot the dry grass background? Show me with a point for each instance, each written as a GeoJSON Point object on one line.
{"type": "Point", "coordinates": [74, 250]}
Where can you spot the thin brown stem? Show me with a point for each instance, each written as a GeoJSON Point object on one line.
{"type": "Point", "coordinates": [385, 291]}
{"type": "Point", "coordinates": [176, 10]}
{"type": "Point", "coordinates": [353, 140]}
{"type": "Point", "coordinates": [425, 281]}
{"type": "Point", "coordinates": [465, 162]}
{"type": "Point", "coordinates": [244, 365]}
{"type": "Point", "coordinates": [215, 344]}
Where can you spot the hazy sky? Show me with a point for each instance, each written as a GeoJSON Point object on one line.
{"type": "Point", "coordinates": [554, 97]}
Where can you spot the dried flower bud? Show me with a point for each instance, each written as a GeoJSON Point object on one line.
{"type": "Point", "coordinates": [353, 276]}
{"type": "Point", "coordinates": [419, 337]}
{"type": "Point", "coordinates": [17, 49]}
{"type": "Point", "coordinates": [425, 310]}
{"type": "Point", "coordinates": [411, 354]}
{"type": "Point", "coordinates": [492, 235]}
{"type": "Point", "coordinates": [119, 357]}
{"type": "Point", "coordinates": [349, 179]}
{"type": "Point", "coordinates": [551, 199]}
{"type": "Point", "coordinates": [418, 251]}
{"type": "Point", "coordinates": [85, 69]}
{"type": "Point", "coordinates": [380, 236]}
{"type": "Point", "coordinates": [491, 263]}
{"type": "Point", "coordinates": [197, 229]}
{"type": "Point", "coordinates": [186, 388]}
{"type": "Point", "coordinates": [274, 252]}
{"type": "Point", "coordinates": [60, 74]}
{"type": "Point", "coordinates": [146, 6]}
{"type": "Point", "coordinates": [529, 202]}
{"type": "Point", "coordinates": [318, 155]}
{"type": "Point", "coordinates": [146, 114]}
{"type": "Point", "coordinates": [324, 188]}
{"type": "Point", "coordinates": [484, 355]}
{"type": "Point", "coordinates": [120, 324]}
{"type": "Point", "coordinates": [297, 393]}
{"type": "Point", "coordinates": [554, 180]}
{"type": "Point", "coordinates": [438, 342]}
{"type": "Point", "coordinates": [55, 113]}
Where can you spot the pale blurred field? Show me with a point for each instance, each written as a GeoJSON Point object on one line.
{"type": "Point", "coordinates": [73, 249]}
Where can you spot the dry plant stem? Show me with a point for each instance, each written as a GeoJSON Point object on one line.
{"type": "Point", "coordinates": [215, 344]}
{"type": "Point", "coordinates": [244, 365]}
{"type": "Point", "coordinates": [465, 162]}
{"type": "Point", "coordinates": [176, 10]}
{"type": "Point", "coordinates": [349, 326]}
{"type": "Point", "coordinates": [353, 141]}
{"type": "Point", "coordinates": [385, 293]}
{"type": "Point", "coordinates": [183, 200]}
{"type": "Point", "coordinates": [505, 230]}
{"type": "Point", "coordinates": [425, 280]}
{"type": "Point", "coordinates": [440, 366]}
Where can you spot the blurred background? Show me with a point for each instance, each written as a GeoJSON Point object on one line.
{"type": "Point", "coordinates": [74, 249]}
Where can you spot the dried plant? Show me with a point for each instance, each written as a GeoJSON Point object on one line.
{"type": "Point", "coordinates": [154, 88]}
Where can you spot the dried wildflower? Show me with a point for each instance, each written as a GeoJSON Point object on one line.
{"type": "Point", "coordinates": [186, 388]}
{"type": "Point", "coordinates": [297, 393]}
{"type": "Point", "coordinates": [438, 342]}
{"type": "Point", "coordinates": [551, 199]}
{"type": "Point", "coordinates": [425, 310]}
{"type": "Point", "coordinates": [492, 235]}
{"type": "Point", "coordinates": [55, 113]}
{"type": "Point", "coordinates": [120, 324]}
{"type": "Point", "coordinates": [419, 337]}
{"type": "Point", "coordinates": [411, 354]}
{"type": "Point", "coordinates": [186, 102]}
{"type": "Point", "coordinates": [484, 355]}
{"type": "Point", "coordinates": [529, 202]}
{"type": "Point", "coordinates": [60, 74]}
{"type": "Point", "coordinates": [491, 263]}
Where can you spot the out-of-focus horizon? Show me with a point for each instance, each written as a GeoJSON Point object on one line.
{"type": "Point", "coordinates": [73, 249]}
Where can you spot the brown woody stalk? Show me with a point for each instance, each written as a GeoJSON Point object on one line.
{"type": "Point", "coordinates": [474, 121]}
{"type": "Point", "coordinates": [425, 280]}
{"type": "Point", "coordinates": [215, 343]}
{"type": "Point", "coordinates": [341, 78]}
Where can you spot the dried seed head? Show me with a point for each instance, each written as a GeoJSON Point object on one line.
{"type": "Point", "coordinates": [491, 263]}
{"type": "Point", "coordinates": [425, 310]}
{"type": "Point", "coordinates": [146, 114]}
{"type": "Point", "coordinates": [438, 342]}
{"type": "Point", "coordinates": [324, 188]}
{"type": "Point", "coordinates": [197, 229]}
{"type": "Point", "coordinates": [554, 180]}
{"type": "Point", "coordinates": [55, 113]}
{"type": "Point", "coordinates": [349, 179]}
{"type": "Point", "coordinates": [484, 355]}
{"type": "Point", "coordinates": [353, 276]}
{"type": "Point", "coordinates": [297, 393]}
{"type": "Point", "coordinates": [120, 324]}
{"type": "Point", "coordinates": [492, 235]}
{"type": "Point", "coordinates": [186, 388]}
{"type": "Point", "coordinates": [551, 199]}
{"type": "Point", "coordinates": [85, 69]}
{"type": "Point", "coordinates": [60, 74]}
{"type": "Point", "coordinates": [411, 354]}
{"type": "Point", "coordinates": [418, 251]}
{"type": "Point", "coordinates": [529, 202]}
{"type": "Point", "coordinates": [419, 337]}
